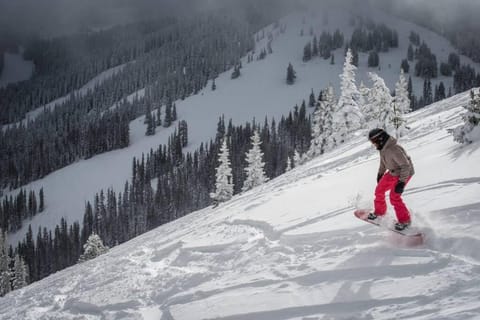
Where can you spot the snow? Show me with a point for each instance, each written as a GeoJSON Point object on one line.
{"type": "Point", "coordinates": [292, 249]}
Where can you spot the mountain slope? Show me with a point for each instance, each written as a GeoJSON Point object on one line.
{"type": "Point", "coordinates": [259, 92]}
{"type": "Point", "coordinates": [291, 248]}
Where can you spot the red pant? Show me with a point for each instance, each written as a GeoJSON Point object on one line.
{"type": "Point", "coordinates": [387, 183]}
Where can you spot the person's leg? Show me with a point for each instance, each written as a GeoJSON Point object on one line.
{"type": "Point", "coordinates": [386, 183]}
{"type": "Point", "coordinates": [403, 215]}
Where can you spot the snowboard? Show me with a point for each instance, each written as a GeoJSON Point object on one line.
{"type": "Point", "coordinates": [411, 234]}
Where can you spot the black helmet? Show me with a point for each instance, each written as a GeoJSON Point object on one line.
{"type": "Point", "coordinates": [378, 137]}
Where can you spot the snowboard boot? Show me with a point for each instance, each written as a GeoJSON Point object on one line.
{"type": "Point", "coordinates": [372, 216]}
{"type": "Point", "coordinates": [399, 226]}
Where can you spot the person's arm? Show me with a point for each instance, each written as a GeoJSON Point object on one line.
{"type": "Point", "coordinates": [381, 170]}
{"type": "Point", "coordinates": [401, 159]}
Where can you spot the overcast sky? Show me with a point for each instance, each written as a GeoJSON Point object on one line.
{"type": "Point", "coordinates": [56, 17]}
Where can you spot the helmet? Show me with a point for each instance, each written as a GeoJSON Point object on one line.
{"type": "Point", "coordinates": [378, 137]}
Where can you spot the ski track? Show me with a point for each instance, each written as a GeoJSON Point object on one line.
{"type": "Point", "coordinates": [292, 261]}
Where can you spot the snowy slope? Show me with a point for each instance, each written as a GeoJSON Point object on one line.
{"type": "Point", "coordinates": [292, 249]}
{"type": "Point", "coordinates": [259, 92]}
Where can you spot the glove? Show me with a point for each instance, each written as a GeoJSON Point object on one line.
{"type": "Point", "coordinates": [399, 187]}
{"type": "Point", "coordinates": [379, 177]}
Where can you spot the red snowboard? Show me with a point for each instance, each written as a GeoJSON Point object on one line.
{"type": "Point", "coordinates": [411, 236]}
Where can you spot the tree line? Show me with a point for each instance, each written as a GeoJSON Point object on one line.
{"type": "Point", "coordinates": [179, 62]}
{"type": "Point", "coordinates": [14, 210]}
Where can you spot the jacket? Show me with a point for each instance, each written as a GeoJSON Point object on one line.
{"type": "Point", "coordinates": [394, 159]}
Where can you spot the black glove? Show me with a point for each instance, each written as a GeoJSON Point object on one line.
{"type": "Point", "coordinates": [379, 177]}
{"type": "Point", "coordinates": [399, 187]}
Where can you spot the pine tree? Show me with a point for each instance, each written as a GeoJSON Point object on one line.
{"type": "Point", "coordinates": [174, 112]}
{"type": "Point", "coordinates": [322, 124]}
{"type": "Point", "coordinates": [401, 105]}
{"type": "Point", "coordinates": [289, 164]}
{"type": "Point", "coordinates": [328, 105]}
{"type": "Point", "coordinates": [311, 101]}
{"type": "Point", "coordinates": [427, 92]}
{"type": "Point", "coordinates": [20, 273]}
{"type": "Point", "coordinates": [363, 98]}
{"type": "Point", "coordinates": [348, 117]}
{"type": "Point", "coordinates": [410, 52]}
{"type": "Point", "coordinates": [298, 159]}
{"type": "Point", "coordinates": [317, 131]}
{"type": "Point", "coordinates": [441, 92]}
{"type": "Point", "coordinates": [168, 114]}
{"type": "Point", "coordinates": [290, 74]}
{"type": "Point", "coordinates": [315, 46]}
{"type": "Point", "coordinates": [224, 184]}
{"type": "Point", "coordinates": [379, 111]}
{"type": "Point", "coordinates": [92, 248]}
{"type": "Point", "coordinates": [470, 130]}
{"type": "Point", "coordinates": [307, 52]}
{"type": "Point", "coordinates": [255, 168]}
{"type": "Point", "coordinates": [159, 116]}
{"type": "Point", "coordinates": [183, 133]}
{"type": "Point", "coordinates": [236, 72]}
{"type": "Point", "coordinates": [411, 96]}
{"type": "Point", "coordinates": [405, 66]}
{"type": "Point", "coordinates": [5, 274]}
{"type": "Point", "coordinates": [149, 119]}
{"type": "Point", "coordinates": [42, 201]}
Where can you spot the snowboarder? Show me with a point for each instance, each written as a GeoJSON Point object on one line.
{"type": "Point", "coordinates": [396, 169]}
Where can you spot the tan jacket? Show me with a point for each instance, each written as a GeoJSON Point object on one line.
{"type": "Point", "coordinates": [394, 159]}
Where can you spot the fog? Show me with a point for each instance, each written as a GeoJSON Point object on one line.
{"type": "Point", "coordinates": [439, 13]}
{"type": "Point", "coordinates": [49, 18]}
{"type": "Point", "coordinates": [21, 19]}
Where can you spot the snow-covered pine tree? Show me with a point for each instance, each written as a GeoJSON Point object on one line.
{"type": "Point", "coordinates": [20, 273]}
{"type": "Point", "coordinates": [348, 117]}
{"type": "Point", "coordinates": [322, 123]}
{"type": "Point", "coordinates": [401, 105]}
{"type": "Point", "coordinates": [317, 131]}
{"type": "Point", "coordinates": [5, 274]}
{"type": "Point", "coordinates": [92, 248]}
{"type": "Point", "coordinates": [255, 168]}
{"type": "Point", "coordinates": [470, 130]}
{"type": "Point", "coordinates": [289, 164]}
{"type": "Point", "coordinates": [298, 159]}
{"type": "Point", "coordinates": [364, 91]}
{"type": "Point", "coordinates": [328, 104]}
{"type": "Point", "coordinates": [223, 185]}
{"type": "Point", "coordinates": [378, 110]}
